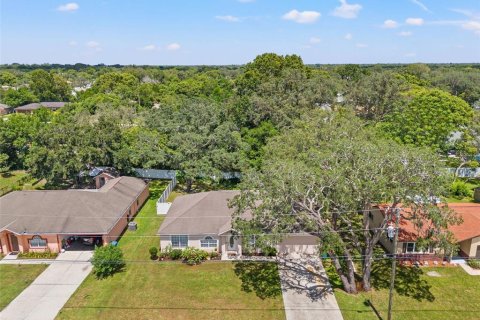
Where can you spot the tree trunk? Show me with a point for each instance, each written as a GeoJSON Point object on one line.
{"type": "Point", "coordinates": [189, 183]}
{"type": "Point", "coordinates": [367, 269]}
{"type": "Point", "coordinates": [348, 279]}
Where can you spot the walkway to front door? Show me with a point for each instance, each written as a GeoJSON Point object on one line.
{"type": "Point", "coordinates": [307, 294]}
{"type": "Point", "coordinates": [44, 298]}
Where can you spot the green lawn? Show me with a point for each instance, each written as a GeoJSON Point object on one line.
{"type": "Point", "coordinates": [13, 179]}
{"type": "Point", "coordinates": [170, 290]}
{"type": "Point", "coordinates": [453, 295]}
{"type": "Point", "coordinates": [472, 184]}
{"type": "Point", "coordinates": [14, 278]}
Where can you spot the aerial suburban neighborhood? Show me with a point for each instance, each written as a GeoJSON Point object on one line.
{"type": "Point", "coordinates": [240, 159]}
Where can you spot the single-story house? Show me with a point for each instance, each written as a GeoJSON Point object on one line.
{"type": "Point", "coordinates": [29, 108]}
{"type": "Point", "coordinates": [467, 234]}
{"type": "Point", "coordinates": [204, 220]}
{"type": "Point", "coordinates": [41, 220]}
{"type": "Point", "coordinates": [4, 109]}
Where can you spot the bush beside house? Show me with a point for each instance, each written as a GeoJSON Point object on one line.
{"type": "Point", "coordinates": [107, 261]}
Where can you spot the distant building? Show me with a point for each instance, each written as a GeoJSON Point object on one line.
{"type": "Point", "coordinates": [4, 109]}
{"type": "Point", "coordinates": [29, 108]}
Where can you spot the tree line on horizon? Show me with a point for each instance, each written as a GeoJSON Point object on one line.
{"type": "Point", "coordinates": [315, 140]}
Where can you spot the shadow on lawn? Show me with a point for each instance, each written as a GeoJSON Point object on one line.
{"type": "Point", "coordinates": [408, 281]}
{"type": "Point", "coordinates": [259, 277]}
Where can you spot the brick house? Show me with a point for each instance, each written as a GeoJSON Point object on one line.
{"type": "Point", "coordinates": [41, 220]}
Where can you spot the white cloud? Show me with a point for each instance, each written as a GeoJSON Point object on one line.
{"type": "Point", "coordinates": [410, 55]}
{"type": "Point", "coordinates": [390, 24]}
{"type": "Point", "coordinates": [302, 16]}
{"type": "Point", "coordinates": [361, 45]}
{"type": "Point", "coordinates": [348, 36]}
{"type": "Point", "coordinates": [405, 34]}
{"type": "Point", "coordinates": [475, 15]}
{"type": "Point", "coordinates": [228, 18]}
{"type": "Point", "coordinates": [472, 26]}
{"type": "Point", "coordinates": [93, 44]}
{"type": "Point", "coordinates": [73, 43]}
{"type": "Point", "coordinates": [173, 46]}
{"type": "Point", "coordinates": [421, 5]}
{"type": "Point", "coordinates": [347, 11]}
{"type": "Point", "coordinates": [69, 7]}
{"type": "Point", "coordinates": [314, 40]}
{"type": "Point", "coordinates": [149, 47]}
{"type": "Point", "coordinates": [415, 21]}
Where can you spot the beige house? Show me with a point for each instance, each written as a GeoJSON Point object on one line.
{"type": "Point", "coordinates": [42, 220]}
{"type": "Point", "coordinates": [467, 234]}
{"type": "Point", "coordinates": [204, 220]}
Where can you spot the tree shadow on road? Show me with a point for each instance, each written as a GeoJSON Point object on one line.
{"type": "Point", "coordinates": [263, 278]}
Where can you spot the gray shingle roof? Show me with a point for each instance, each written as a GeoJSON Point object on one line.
{"type": "Point", "coordinates": [37, 105]}
{"type": "Point", "coordinates": [199, 213]}
{"type": "Point", "coordinates": [69, 211]}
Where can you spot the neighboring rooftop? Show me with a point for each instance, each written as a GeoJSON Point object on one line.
{"type": "Point", "coordinates": [37, 105]}
{"type": "Point", "coordinates": [199, 213]}
{"type": "Point", "coordinates": [470, 228]}
{"type": "Point", "coordinates": [74, 211]}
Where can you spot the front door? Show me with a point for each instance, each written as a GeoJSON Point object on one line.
{"type": "Point", "coordinates": [232, 243]}
{"type": "Point", "coordinates": [478, 252]}
{"type": "Point", "coordinates": [14, 242]}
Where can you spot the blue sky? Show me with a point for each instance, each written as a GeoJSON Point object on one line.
{"type": "Point", "coordinates": [186, 32]}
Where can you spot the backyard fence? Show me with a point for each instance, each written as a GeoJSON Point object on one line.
{"type": "Point", "coordinates": [162, 204]}
{"type": "Point", "coordinates": [466, 172]}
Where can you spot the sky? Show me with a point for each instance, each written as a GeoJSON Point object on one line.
{"type": "Point", "coordinates": [220, 32]}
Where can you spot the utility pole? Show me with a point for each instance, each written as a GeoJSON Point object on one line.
{"type": "Point", "coordinates": [394, 263]}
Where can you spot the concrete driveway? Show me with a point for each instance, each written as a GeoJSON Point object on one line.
{"type": "Point", "coordinates": [47, 294]}
{"type": "Point", "coordinates": [306, 291]}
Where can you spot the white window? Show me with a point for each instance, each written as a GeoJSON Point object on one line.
{"type": "Point", "coordinates": [208, 242]}
{"type": "Point", "coordinates": [409, 247]}
{"type": "Point", "coordinates": [37, 242]}
{"type": "Point", "coordinates": [180, 241]}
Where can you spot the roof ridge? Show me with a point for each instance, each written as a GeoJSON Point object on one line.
{"type": "Point", "coordinates": [167, 221]}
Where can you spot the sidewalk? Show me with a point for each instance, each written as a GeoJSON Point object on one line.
{"type": "Point", "coordinates": [47, 294]}
{"type": "Point", "coordinates": [307, 293]}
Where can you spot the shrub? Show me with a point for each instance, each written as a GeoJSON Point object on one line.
{"type": "Point", "coordinates": [175, 254]}
{"type": "Point", "coordinates": [214, 255]}
{"type": "Point", "coordinates": [460, 189]}
{"type": "Point", "coordinates": [107, 261]}
{"type": "Point", "coordinates": [474, 263]}
{"type": "Point", "coordinates": [193, 256]}
{"type": "Point", "coordinates": [37, 255]}
{"type": "Point", "coordinates": [153, 253]}
{"type": "Point", "coordinates": [270, 251]}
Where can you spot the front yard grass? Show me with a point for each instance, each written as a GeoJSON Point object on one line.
{"type": "Point", "coordinates": [166, 290]}
{"type": "Point", "coordinates": [452, 295]}
{"type": "Point", "coordinates": [16, 277]}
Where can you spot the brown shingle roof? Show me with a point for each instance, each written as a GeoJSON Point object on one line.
{"type": "Point", "coordinates": [199, 213]}
{"type": "Point", "coordinates": [69, 211]}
